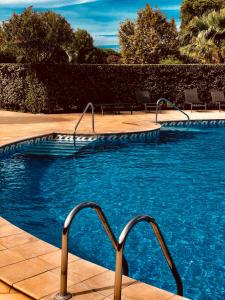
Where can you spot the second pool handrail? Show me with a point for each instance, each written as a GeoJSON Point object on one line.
{"type": "Point", "coordinates": [120, 247]}
{"type": "Point", "coordinates": [171, 103]}
{"type": "Point", "coordinates": [91, 105]}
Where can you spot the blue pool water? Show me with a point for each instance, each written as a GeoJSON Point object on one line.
{"type": "Point", "coordinates": [178, 179]}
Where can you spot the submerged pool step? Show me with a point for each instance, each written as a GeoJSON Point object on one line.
{"type": "Point", "coordinates": [57, 147]}
{"type": "Point", "coordinates": [181, 129]}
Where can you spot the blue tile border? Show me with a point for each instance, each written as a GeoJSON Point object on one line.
{"type": "Point", "coordinates": [98, 139]}
{"type": "Point", "coordinates": [195, 123]}
{"type": "Point", "coordinates": [92, 140]}
{"type": "Point", "coordinates": [19, 146]}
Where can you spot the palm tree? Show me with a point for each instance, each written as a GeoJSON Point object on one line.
{"type": "Point", "coordinates": [204, 38]}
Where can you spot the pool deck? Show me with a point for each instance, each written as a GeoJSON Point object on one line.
{"type": "Point", "coordinates": [29, 267]}
{"type": "Point", "coordinates": [15, 126]}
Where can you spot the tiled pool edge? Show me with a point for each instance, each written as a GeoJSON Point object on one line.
{"type": "Point", "coordinates": [41, 267]}
{"type": "Point", "coordinates": [11, 148]}
{"type": "Point", "coordinates": [203, 123]}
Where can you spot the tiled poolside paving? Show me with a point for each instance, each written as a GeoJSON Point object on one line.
{"type": "Point", "coordinates": [15, 126]}
{"type": "Point", "coordinates": [30, 269]}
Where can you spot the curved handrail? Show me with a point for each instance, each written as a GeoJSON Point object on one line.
{"type": "Point", "coordinates": [120, 247]}
{"type": "Point", "coordinates": [64, 294]}
{"type": "Point", "coordinates": [174, 106]}
{"type": "Point", "coordinates": [90, 104]}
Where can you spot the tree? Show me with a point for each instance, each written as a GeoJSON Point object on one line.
{"type": "Point", "coordinates": [2, 41]}
{"type": "Point", "coordinates": [7, 54]}
{"type": "Point", "coordinates": [127, 41]}
{"type": "Point", "coordinates": [37, 37]}
{"type": "Point", "coordinates": [80, 46]}
{"type": "Point", "coordinates": [204, 38]}
{"type": "Point", "coordinates": [148, 39]}
{"type": "Point", "coordinates": [196, 8]}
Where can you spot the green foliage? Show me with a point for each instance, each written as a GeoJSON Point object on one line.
{"type": "Point", "coordinates": [12, 87]}
{"type": "Point", "coordinates": [171, 60]}
{"type": "Point", "coordinates": [36, 94]}
{"type": "Point", "coordinates": [2, 40]}
{"type": "Point", "coordinates": [109, 51]}
{"type": "Point", "coordinates": [7, 57]}
{"type": "Point", "coordinates": [6, 53]}
{"type": "Point", "coordinates": [111, 56]}
{"type": "Point", "coordinates": [95, 56]}
{"type": "Point", "coordinates": [196, 8]}
{"type": "Point", "coordinates": [36, 37]}
{"type": "Point", "coordinates": [82, 43]}
{"type": "Point", "coordinates": [46, 37]}
{"type": "Point", "coordinates": [113, 59]}
{"type": "Point", "coordinates": [31, 87]}
{"type": "Point", "coordinates": [127, 41]}
{"type": "Point", "coordinates": [204, 38]}
{"type": "Point", "coordinates": [149, 39]}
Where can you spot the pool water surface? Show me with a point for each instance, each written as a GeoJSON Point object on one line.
{"type": "Point", "coordinates": [179, 180]}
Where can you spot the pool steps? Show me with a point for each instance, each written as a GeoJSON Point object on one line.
{"type": "Point", "coordinates": [182, 129]}
{"type": "Point", "coordinates": [57, 147]}
{"type": "Point", "coordinates": [65, 146]}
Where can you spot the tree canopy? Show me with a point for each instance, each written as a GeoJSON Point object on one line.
{"type": "Point", "coordinates": [82, 43]}
{"type": "Point", "coordinates": [149, 38]}
{"type": "Point", "coordinates": [46, 37]}
{"type": "Point", "coordinates": [37, 37]}
{"type": "Point", "coordinates": [196, 8]}
{"type": "Point", "coordinates": [204, 38]}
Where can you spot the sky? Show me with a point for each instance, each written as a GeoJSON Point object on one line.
{"type": "Point", "coordinates": [99, 17]}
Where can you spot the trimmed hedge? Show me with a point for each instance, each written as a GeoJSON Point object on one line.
{"type": "Point", "coordinates": [47, 88]}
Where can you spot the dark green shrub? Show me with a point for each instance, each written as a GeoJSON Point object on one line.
{"type": "Point", "coordinates": [35, 94]}
{"type": "Point", "coordinates": [37, 89]}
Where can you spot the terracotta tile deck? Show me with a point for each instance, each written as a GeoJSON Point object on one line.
{"type": "Point", "coordinates": [29, 269]}
{"type": "Point", "coordinates": [9, 293]}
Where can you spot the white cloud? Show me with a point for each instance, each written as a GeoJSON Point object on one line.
{"type": "Point", "coordinates": [170, 7]}
{"type": "Point", "coordinates": [104, 40]}
{"type": "Point", "coordinates": [43, 3]}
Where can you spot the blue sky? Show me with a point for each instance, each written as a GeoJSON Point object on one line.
{"type": "Point", "coordinates": [100, 17]}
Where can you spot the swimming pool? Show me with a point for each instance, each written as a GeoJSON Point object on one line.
{"type": "Point", "coordinates": [178, 179]}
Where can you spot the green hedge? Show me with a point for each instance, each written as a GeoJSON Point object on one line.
{"type": "Point", "coordinates": [47, 88]}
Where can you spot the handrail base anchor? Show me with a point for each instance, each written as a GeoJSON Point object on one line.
{"type": "Point", "coordinates": [60, 297]}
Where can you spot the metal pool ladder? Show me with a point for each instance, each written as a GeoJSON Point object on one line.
{"type": "Point", "coordinates": [90, 104]}
{"type": "Point", "coordinates": [121, 263]}
{"type": "Point", "coordinates": [173, 105]}
{"type": "Point", "coordinates": [63, 293]}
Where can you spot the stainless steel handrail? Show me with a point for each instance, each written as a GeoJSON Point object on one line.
{"type": "Point", "coordinates": [64, 294]}
{"type": "Point", "coordinates": [119, 254]}
{"type": "Point", "coordinates": [174, 106]}
{"type": "Point", "coordinates": [90, 104]}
